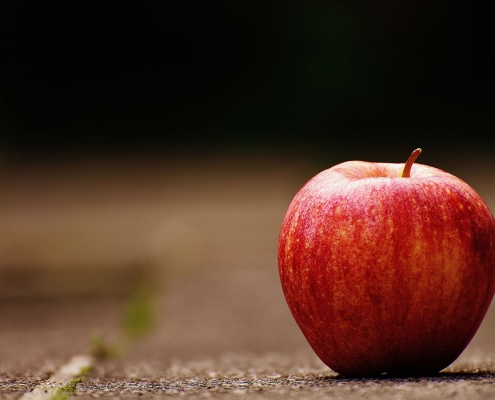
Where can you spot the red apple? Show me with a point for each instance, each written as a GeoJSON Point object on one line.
{"type": "Point", "coordinates": [387, 268]}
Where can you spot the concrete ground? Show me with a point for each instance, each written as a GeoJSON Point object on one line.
{"type": "Point", "coordinates": [200, 234]}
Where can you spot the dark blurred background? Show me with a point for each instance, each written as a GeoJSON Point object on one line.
{"type": "Point", "coordinates": [246, 74]}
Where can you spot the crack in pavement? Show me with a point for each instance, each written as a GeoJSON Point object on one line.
{"type": "Point", "coordinates": [73, 369]}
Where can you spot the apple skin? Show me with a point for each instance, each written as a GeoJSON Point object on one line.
{"type": "Point", "coordinates": [386, 274]}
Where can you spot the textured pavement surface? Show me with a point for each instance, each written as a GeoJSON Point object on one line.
{"type": "Point", "coordinates": [76, 235]}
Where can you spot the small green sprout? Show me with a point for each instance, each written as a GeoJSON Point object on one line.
{"type": "Point", "coordinates": [139, 316]}
{"type": "Point", "coordinates": [101, 350]}
{"type": "Point", "coordinates": [63, 392]}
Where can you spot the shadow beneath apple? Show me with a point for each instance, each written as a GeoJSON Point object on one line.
{"type": "Point", "coordinates": [409, 378]}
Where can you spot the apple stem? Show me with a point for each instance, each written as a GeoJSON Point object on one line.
{"type": "Point", "coordinates": [406, 172]}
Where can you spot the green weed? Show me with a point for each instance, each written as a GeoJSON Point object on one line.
{"type": "Point", "coordinates": [63, 393]}
{"type": "Point", "coordinates": [140, 315]}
